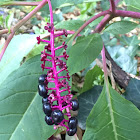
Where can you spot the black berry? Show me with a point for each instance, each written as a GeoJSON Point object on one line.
{"type": "Point", "coordinates": [49, 120]}
{"type": "Point", "coordinates": [57, 116]}
{"type": "Point", "coordinates": [42, 91]}
{"type": "Point", "coordinates": [45, 100]}
{"type": "Point", "coordinates": [72, 123]}
{"type": "Point", "coordinates": [42, 79]}
{"type": "Point", "coordinates": [75, 104]}
{"type": "Point", "coordinates": [47, 109]}
{"type": "Point", "coordinates": [71, 132]}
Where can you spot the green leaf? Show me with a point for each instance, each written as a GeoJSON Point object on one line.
{"type": "Point", "coordinates": [84, 52]}
{"type": "Point", "coordinates": [35, 51]}
{"type": "Point", "coordinates": [112, 118]}
{"type": "Point", "coordinates": [86, 102]}
{"type": "Point", "coordinates": [90, 77]}
{"type": "Point", "coordinates": [9, 20]}
{"type": "Point", "coordinates": [69, 24]}
{"type": "Point", "coordinates": [21, 115]}
{"type": "Point", "coordinates": [19, 47]}
{"type": "Point", "coordinates": [133, 3]}
{"type": "Point", "coordinates": [132, 92]}
{"type": "Point", "coordinates": [121, 27]}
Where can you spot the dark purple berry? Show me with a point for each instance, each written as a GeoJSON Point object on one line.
{"type": "Point", "coordinates": [75, 104]}
{"type": "Point", "coordinates": [42, 91]}
{"type": "Point", "coordinates": [71, 132]}
{"type": "Point", "coordinates": [42, 78]}
{"type": "Point", "coordinates": [72, 123]}
{"type": "Point", "coordinates": [57, 116]}
{"type": "Point", "coordinates": [47, 109]}
{"type": "Point", "coordinates": [45, 100]}
{"type": "Point", "coordinates": [49, 120]}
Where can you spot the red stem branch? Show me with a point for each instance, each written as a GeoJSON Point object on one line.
{"type": "Point", "coordinates": [90, 20]}
{"type": "Point", "coordinates": [18, 3]}
{"type": "Point", "coordinates": [122, 13]}
{"type": "Point", "coordinates": [112, 6]}
{"type": "Point", "coordinates": [102, 24]}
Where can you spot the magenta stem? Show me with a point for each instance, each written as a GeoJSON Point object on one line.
{"type": "Point", "coordinates": [53, 56]}
{"type": "Point", "coordinates": [102, 24]}
{"type": "Point", "coordinates": [48, 60]}
{"type": "Point", "coordinates": [104, 63]}
{"type": "Point", "coordinates": [61, 70]}
{"type": "Point", "coordinates": [46, 41]}
{"type": "Point", "coordinates": [58, 47]}
{"type": "Point", "coordinates": [62, 77]}
{"type": "Point", "coordinates": [18, 3]}
{"type": "Point", "coordinates": [63, 90]}
{"type": "Point", "coordinates": [127, 14]}
{"type": "Point", "coordinates": [49, 54]}
{"type": "Point", "coordinates": [48, 68]}
{"type": "Point", "coordinates": [112, 6]}
{"type": "Point", "coordinates": [90, 20]}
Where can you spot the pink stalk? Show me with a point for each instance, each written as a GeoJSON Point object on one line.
{"type": "Point", "coordinates": [58, 47]}
{"type": "Point", "coordinates": [104, 64]}
{"type": "Point", "coordinates": [46, 41]}
{"type": "Point", "coordinates": [62, 77]}
{"type": "Point", "coordinates": [53, 56]}
{"type": "Point", "coordinates": [63, 90]}
{"type": "Point", "coordinates": [48, 60]}
{"type": "Point", "coordinates": [48, 68]}
{"type": "Point", "coordinates": [61, 70]}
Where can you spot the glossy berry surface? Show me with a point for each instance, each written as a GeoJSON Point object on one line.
{"type": "Point", "coordinates": [71, 132]}
{"type": "Point", "coordinates": [45, 100]}
{"type": "Point", "coordinates": [42, 91]}
{"type": "Point", "coordinates": [47, 109]}
{"type": "Point", "coordinates": [49, 120]}
{"type": "Point", "coordinates": [72, 123]}
{"type": "Point", "coordinates": [75, 104]}
{"type": "Point", "coordinates": [42, 78]}
{"type": "Point", "coordinates": [57, 116]}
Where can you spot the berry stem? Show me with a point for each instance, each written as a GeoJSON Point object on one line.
{"type": "Point", "coordinates": [53, 56]}
{"type": "Point", "coordinates": [58, 47]}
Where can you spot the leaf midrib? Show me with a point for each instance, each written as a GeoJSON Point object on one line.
{"type": "Point", "coordinates": [111, 112]}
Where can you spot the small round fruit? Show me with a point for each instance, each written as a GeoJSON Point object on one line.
{"type": "Point", "coordinates": [71, 132]}
{"type": "Point", "coordinates": [42, 78]}
{"type": "Point", "coordinates": [47, 109]}
{"type": "Point", "coordinates": [42, 91]}
{"type": "Point", "coordinates": [72, 123]}
{"type": "Point", "coordinates": [75, 104]}
{"type": "Point", "coordinates": [49, 120]}
{"type": "Point", "coordinates": [45, 100]}
{"type": "Point", "coordinates": [57, 116]}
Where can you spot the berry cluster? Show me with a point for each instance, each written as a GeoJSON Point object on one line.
{"type": "Point", "coordinates": [56, 105]}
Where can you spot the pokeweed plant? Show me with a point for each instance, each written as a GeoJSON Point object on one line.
{"type": "Point", "coordinates": [54, 113]}
{"type": "Point", "coordinates": [112, 117]}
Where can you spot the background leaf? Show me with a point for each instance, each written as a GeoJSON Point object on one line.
{"type": "Point", "coordinates": [90, 77]}
{"type": "Point", "coordinates": [121, 27]}
{"type": "Point", "coordinates": [112, 118]}
{"type": "Point", "coordinates": [21, 115]}
{"type": "Point", "coordinates": [132, 92]}
{"type": "Point", "coordinates": [84, 52]}
{"type": "Point", "coordinates": [86, 102]}
{"type": "Point", "coordinates": [19, 47]}
{"type": "Point", "coordinates": [69, 24]}
{"type": "Point", "coordinates": [133, 3]}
